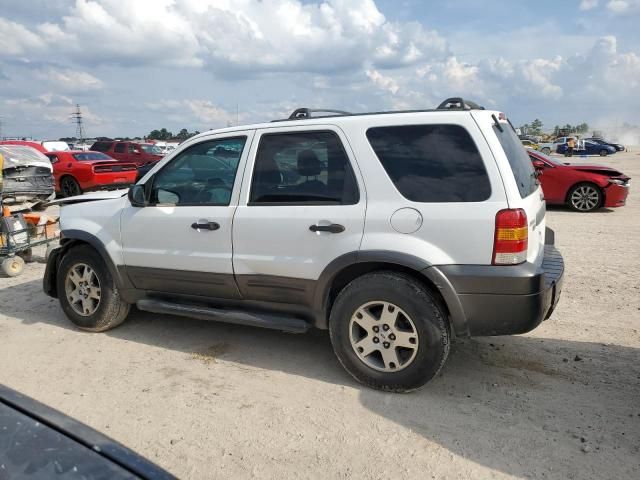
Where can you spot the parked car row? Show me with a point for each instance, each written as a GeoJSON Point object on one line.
{"type": "Point", "coordinates": [107, 165]}
{"type": "Point", "coordinates": [585, 146]}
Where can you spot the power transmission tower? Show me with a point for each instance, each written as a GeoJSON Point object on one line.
{"type": "Point", "coordinates": [76, 116]}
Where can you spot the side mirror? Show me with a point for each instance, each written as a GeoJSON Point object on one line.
{"type": "Point", "coordinates": [137, 196]}
{"type": "Point", "coordinates": [136, 152]}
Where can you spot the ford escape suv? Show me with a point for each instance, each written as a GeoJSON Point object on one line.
{"type": "Point", "coordinates": [395, 231]}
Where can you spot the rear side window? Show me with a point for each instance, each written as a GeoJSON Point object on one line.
{"type": "Point", "coordinates": [432, 163]}
{"type": "Point", "coordinates": [120, 147]}
{"type": "Point", "coordinates": [523, 171]}
{"type": "Point", "coordinates": [302, 168]}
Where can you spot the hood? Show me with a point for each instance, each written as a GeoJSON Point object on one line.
{"type": "Point", "coordinates": [601, 169]}
{"type": "Point", "coordinates": [22, 156]}
{"type": "Point", "coordinates": [91, 197]}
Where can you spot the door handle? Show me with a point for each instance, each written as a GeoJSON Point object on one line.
{"type": "Point", "coordinates": [332, 228]}
{"type": "Point", "coordinates": [205, 225]}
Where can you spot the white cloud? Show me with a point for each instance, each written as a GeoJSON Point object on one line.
{"type": "Point", "coordinates": [382, 82]}
{"type": "Point", "coordinates": [15, 39]}
{"type": "Point", "coordinates": [69, 80]}
{"type": "Point", "coordinates": [203, 113]}
{"type": "Point", "coordinates": [623, 6]}
{"type": "Point", "coordinates": [234, 37]}
{"type": "Point", "coordinates": [48, 107]}
{"type": "Point", "coordinates": [588, 4]}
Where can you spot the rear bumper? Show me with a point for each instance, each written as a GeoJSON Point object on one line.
{"type": "Point", "coordinates": [615, 195]}
{"type": "Point", "coordinates": [506, 300]}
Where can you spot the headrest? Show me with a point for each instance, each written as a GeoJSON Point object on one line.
{"type": "Point", "coordinates": [308, 164]}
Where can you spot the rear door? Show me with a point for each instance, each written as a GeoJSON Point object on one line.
{"type": "Point", "coordinates": [302, 206]}
{"type": "Point", "coordinates": [120, 151]}
{"type": "Point", "coordinates": [518, 175]}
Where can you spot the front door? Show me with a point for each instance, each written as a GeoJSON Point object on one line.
{"type": "Point", "coordinates": [181, 241]}
{"type": "Point", "coordinates": [302, 206]}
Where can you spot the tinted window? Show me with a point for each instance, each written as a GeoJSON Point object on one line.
{"type": "Point", "coordinates": [523, 171]}
{"type": "Point", "coordinates": [307, 168]}
{"type": "Point", "coordinates": [432, 163]}
{"type": "Point", "coordinates": [120, 147]}
{"type": "Point", "coordinates": [201, 175]}
{"type": "Point", "coordinates": [81, 157]}
{"type": "Point", "coordinates": [101, 146]}
{"type": "Point", "coordinates": [52, 157]}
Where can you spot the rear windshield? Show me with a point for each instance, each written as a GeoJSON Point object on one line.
{"type": "Point", "coordinates": [82, 157]}
{"type": "Point", "coordinates": [518, 159]}
{"type": "Point", "coordinates": [432, 163]}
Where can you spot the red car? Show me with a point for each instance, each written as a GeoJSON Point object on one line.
{"type": "Point", "coordinates": [582, 187]}
{"type": "Point", "coordinates": [76, 171]}
{"type": "Point", "coordinates": [133, 152]}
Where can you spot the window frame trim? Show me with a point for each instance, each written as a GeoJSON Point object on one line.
{"type": "Point", "coordinates": [301, 131]}
{"type": "Point", "coordinates": [149, 184]}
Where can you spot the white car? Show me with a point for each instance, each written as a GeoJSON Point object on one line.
{"type": "Point", "coordinates": [395, 231]}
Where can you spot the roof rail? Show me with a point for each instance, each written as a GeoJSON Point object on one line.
{"type": "Point", "coordinates": [459, 103]}
{"type": "Point", "coordinates": [302, 113]}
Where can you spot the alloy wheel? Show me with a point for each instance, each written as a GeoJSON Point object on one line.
{"type": "Point", "coordinates": [82, 288]}
{"type": "Point", "coordinates": [383, 336]}
{"type": "Point", "coordinates": [585, 198]}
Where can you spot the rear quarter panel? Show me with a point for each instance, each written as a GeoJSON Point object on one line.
{"type": "Point", "coordinates": [451, 232]}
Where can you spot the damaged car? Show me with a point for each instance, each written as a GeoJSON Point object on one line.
{"type": "Point", "coordinates": [27, 175]}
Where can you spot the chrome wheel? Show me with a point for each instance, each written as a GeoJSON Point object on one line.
{"type": "Point", "coordinates": [383, 336]}
{"type": "Point", "coordinates": [585, 198]}
{"type": "Point", "coordinates": [82, 289]}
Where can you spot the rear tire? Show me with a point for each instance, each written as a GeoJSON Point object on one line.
{"type": "Point", "coordinates": [389, 332]}
{"type": "Point", "coordinates": [69, 187]}
{"type": "Point", "coordinates": [87, 292]}
{"type": "Point", "coordinates": [546, 151]}
{"type": "Point", "coordinates": [585, 197]}
{"type": "Point", "coordinates": [604, 153]}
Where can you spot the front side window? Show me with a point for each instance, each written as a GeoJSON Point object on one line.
{"type": "Point", "coordinates": [203, 174]}
{"type": "Point", "coordinates": [302, 168]}
{"type": "Point", "coordinates": [432, 163]}
{"type": "Point", "coordinates": [120, 147]}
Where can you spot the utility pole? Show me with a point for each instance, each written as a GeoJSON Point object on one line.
{"type": "Point", "coordinates": [76, 117]}
{"type": "Point", "coordinates": [1, 127]}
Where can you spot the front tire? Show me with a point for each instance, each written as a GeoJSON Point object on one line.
{"type": "Point", "coordinates": [585, 197]}
{"type": "Point", "coordinates": [12, 266]}
{"type": "Point", "coordinates": [546, 151]}
{"type": "Point", "coordinates": [87, 292]}
{"type": "Point", "coordinates": [389, 332]}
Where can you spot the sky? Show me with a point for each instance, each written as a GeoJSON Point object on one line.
{"type": "Point", "coordinates": [138, 65]}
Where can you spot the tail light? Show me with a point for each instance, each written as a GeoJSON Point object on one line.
{"type": "Point", "coordinates": [511, 237]}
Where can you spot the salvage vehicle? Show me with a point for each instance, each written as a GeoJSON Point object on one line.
{"type": "Point", "coordinates": [393, 230]}
{"type": "Point", "coordinates": [587, 147]}
{"type": "Point", "coordinates": [132, 152]}
{"type": "Point", "coordinates": [27, 175]}
{"type": "Point", "coordinates": [582, 187]}
{"type": "Point", "coordinates": [600, 141]}
{"type": "Point", "coordinates": [38, 442]}
{"type": "Point", "coordinates": [529, 144]}
{"type": "Point", "coordinates": [77, 171]}
{"type": "Point", "coordinates": [41, 146]}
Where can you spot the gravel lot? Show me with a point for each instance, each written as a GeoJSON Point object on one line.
{"type": "Point", "coordinates": [207, 400]}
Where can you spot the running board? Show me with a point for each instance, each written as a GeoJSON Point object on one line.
{"type": "Point", "coordinates": [238, 317]}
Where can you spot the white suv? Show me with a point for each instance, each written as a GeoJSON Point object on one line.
{"type": "Point", "coordinates": [394, 231]}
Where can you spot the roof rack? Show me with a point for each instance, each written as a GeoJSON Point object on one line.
{"type": "Point", "coordinates": [302, 113]}
{"type": "Point", "coordinates": [459, 103]}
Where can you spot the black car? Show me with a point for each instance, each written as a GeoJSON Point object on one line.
{"type": "Point", "coordinates": [617, 146]}
{"type": "Point", "coordinates": [37, 442]}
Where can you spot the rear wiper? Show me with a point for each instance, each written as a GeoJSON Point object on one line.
{"type": "Point", "coordinates": [497, 122]}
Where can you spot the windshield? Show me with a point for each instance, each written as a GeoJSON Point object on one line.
{"type": "Point", "coordinates": [518, 159]}
{"type": "Point", "coordinates": [83, 157]}
{"type": "Point", "coordinates": [152, 149]}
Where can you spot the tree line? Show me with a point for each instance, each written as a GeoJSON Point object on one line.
{"type": "Point", "coordinates": [164, 134]}
{"type": "Point", "coordinates": [535, 128]}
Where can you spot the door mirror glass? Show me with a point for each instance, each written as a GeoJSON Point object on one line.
{"type": "Point", "coordinates": [137, 196]}
{"type": "Point", "coordinates": [166, 197]}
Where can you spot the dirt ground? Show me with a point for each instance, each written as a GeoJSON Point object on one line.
{"type": "Point", "coordinates": [207, 400]}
